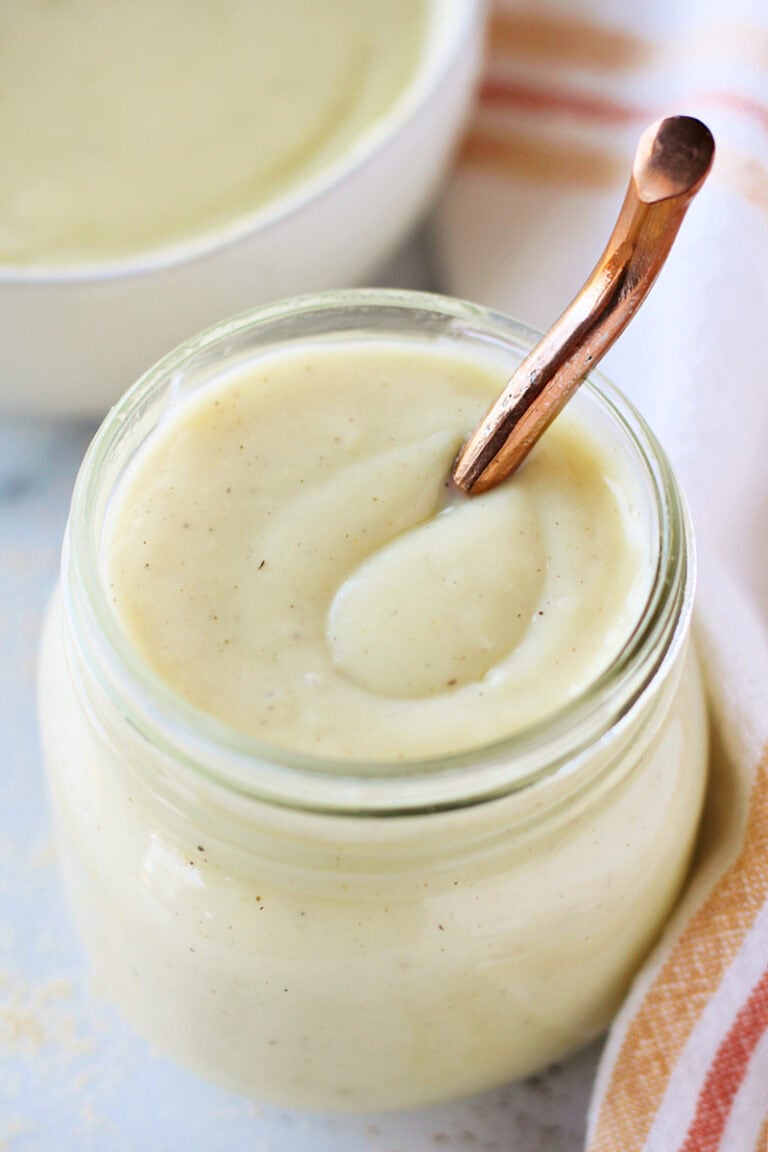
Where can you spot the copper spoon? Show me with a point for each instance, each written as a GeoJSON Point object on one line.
{"type": "Point", "coordinates": [671, 163]}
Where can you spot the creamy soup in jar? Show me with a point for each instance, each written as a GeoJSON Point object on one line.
{"type": "Point", "coordinates": [368, 795]}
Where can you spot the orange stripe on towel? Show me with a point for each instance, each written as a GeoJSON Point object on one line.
{"type": "Point", "coordinates": [727, 1072]}
{"type": "Point", "coordinates": [686, 983]}
{"type": "Point", "coordinates": [526, 158]}
{"type": "Point", "coordinates": [565, 40]}
{"type": "Point", "coordinates": [762, 1140]}
{"type": "Point", "coordinates": [508, 93]}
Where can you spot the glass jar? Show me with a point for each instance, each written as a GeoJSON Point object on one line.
{"type": "Point", "coordinates": [367, 936]}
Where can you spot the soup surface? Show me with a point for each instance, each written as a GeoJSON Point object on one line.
{"type": "Point", "coordinates": [285, 554]}
{"type": "Point", "coordinates": [137, 123]}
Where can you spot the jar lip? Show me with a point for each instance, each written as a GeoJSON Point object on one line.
{"type": "Point", "coordinates": [255, 769]}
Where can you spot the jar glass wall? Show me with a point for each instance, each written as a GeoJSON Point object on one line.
{"type": "Point", "coordinates": [364, 935]}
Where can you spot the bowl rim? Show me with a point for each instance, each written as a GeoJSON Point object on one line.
{"type": "Point", "coordinates": [462, 22]}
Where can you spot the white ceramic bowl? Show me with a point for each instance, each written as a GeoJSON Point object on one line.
{"type": "Point", "coordinates": [73, 338]}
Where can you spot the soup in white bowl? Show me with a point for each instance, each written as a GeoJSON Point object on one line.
{"type": "Point", "coordinates": [249, 153]}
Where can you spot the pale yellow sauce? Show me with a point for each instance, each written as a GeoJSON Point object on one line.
{"type": "Point", "coordinates": [130, 125]}
{"type": "Point", "coordinates": [278, 555]}
{"type": "Point", "coordinates": [281, 554]}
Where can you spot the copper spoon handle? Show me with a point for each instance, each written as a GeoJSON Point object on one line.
{"type": "Point", "coordinates": [671, 163]}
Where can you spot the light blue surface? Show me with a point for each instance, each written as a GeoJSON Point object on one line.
{"type": "Point", "coordinates": [73, 1078]}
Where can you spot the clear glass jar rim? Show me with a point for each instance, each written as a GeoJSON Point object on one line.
{"type": "Point", "coordinates": [241, 763]}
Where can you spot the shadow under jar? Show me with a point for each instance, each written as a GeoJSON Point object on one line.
{"type": "Point", "coordinates": [345, 935]}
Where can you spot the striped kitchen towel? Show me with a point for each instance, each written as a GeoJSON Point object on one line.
{"type": "Point", "coordinates": [568, 88]}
